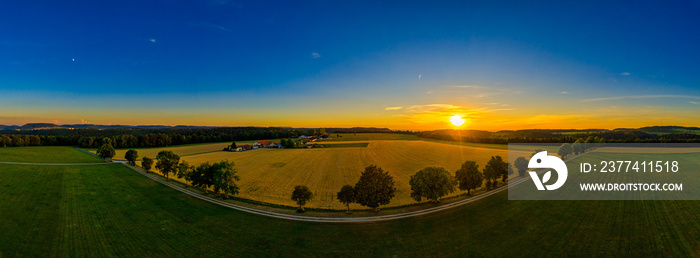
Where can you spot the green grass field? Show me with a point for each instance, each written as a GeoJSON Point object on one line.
{"type": "Point", "coordinates": [51, 154]}
{"type": "Point", "coordinates": [109, 210]}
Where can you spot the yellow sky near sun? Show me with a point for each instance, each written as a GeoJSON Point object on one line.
{"type": "Point", "coordinates": [419, 117]}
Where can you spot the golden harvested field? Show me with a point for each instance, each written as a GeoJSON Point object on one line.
{"type": "Point", "coordinates": [269, 175]}
{"type": "Point", "coordinates": [183, 150]}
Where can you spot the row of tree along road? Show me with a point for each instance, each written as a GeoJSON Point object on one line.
{"type": "Point", "coordinates": [374, 188]}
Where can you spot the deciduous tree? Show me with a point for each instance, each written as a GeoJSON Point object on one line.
{"type": "Point", "coordinates": [565, 150]}
{"type": "Point", "coordinates": [131, 156]}
{"type": "Point", "coordinates": [106, 151]}
{"type": "Point", "coordinates": [577, 147]}
{"type": "Point", "coordinates": [494, 169]}
{"type": "Point", "coordinates": [469, 176]}
{"type": "Point", "coordinates": [521, 164]}
{"type": "Point", "coordinates": [224, 178]}
{"type": "Point", "coordinates": [202, 176]}
{"type": "Point", "coordinates": [347, 195]}
{"type": "Point", "coordinates": [301, 195]}
{"type": "Point", "coordinates": [147, 163]}
{"type": "Point", "coordinates": [167, 163]}
{"type": "Point", "coordinates": [374, 188]}
{"type": "Point", "coordinates": [184, 170]}
{"type": "Point", "coordinates": [431, 183]}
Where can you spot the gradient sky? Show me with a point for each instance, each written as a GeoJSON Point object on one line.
{"type": "Point", "coordinates": [402, 65]}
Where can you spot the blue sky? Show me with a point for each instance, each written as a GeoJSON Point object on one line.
{"type": "Point", "coordinates": [544, 64]}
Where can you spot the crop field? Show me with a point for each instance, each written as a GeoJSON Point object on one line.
{"type": "Point", "coordinates": [269, 175]}
{"type": "Point", "coordinates": [46, 155]}
{"type": "Point", "coordinates": [182, 150]}
{"type": "Point", "coordinates": [109, 210]}
{"type": "Point", "coordinates": [373, 136]}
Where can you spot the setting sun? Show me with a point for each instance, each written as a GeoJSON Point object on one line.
{"type": "Point", "coordinates": [457, 120]}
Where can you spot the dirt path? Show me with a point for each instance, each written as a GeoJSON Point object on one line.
{"type": "Point", "coordinates": [322, 219]}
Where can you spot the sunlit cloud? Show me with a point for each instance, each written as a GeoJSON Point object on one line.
{"type": "Point", "coordinates": [564, 92]}
{"type": "Point", "coordinates": [641, 97]}
{"type": "Point", "coordinates": [419, 76]}
{"type": "Point", "coordinates": [393, 108]}
{"type": "Point", "coordinates": [152, 40]}
{"type": "Point", "coordinates": [83, 121]}
{"type": "Point", "coordinates": [625, 74]}
{"type": "Point", "coordinates": [696, 103]}
{"type": "Point", "coordinates": [315, 55]}
{"type": "Point", "coordinates": [439, 114]}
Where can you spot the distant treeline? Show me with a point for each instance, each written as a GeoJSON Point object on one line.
{"type": "Point", "coordinates": [161, 137]}
{"type": "Point", "coordinates": [558, 136]}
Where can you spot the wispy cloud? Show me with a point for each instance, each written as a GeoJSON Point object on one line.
{"type": "Point", "coordinates": [315, 55]}
{"type": "Point", "coordinates": [152, 40]}
{"type": "Point", "coordinates": [468, 86]}
{"type": "Point", "coordinates": [641, 97]}
{"type": "Point", "coordinates": [625, 74]}
{"type": "Point", "coordinates": [419, 76]}
{"type": "Point", "coordinates": [474, 91]}
{"type": "Point", "coordinates": [564, 92]}
{"type": "Point", "coordinates": [393, 108]}
{"type": "Point", "coordinates": [696, 103]}
{"type": "Point", "coordinates": [219, 27]}
{"type": "Point", "coordinates": [83, 121]}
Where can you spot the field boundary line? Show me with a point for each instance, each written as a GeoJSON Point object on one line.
{"type": "Point", "coordinates": [56, 164]}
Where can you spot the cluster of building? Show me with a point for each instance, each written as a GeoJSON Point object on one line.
{"type": "Point", "coordinates": [269, 144]}
{"type": "Point", "coordinates": [256, 145]}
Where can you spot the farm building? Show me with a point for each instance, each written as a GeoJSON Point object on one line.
{"type": "Point", "coordinates": [261, 144]}
{"type": "Point", "coordinates": [243, 147]}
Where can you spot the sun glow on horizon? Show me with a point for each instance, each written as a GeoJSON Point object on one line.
{"type": "Point", "coordinates": [457, 120]}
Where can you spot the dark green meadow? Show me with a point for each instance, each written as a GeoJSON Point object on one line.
{"type": "Point", "coordinates": [110, 210]}
{"type": "Point", "coordinates": [46, 154]}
